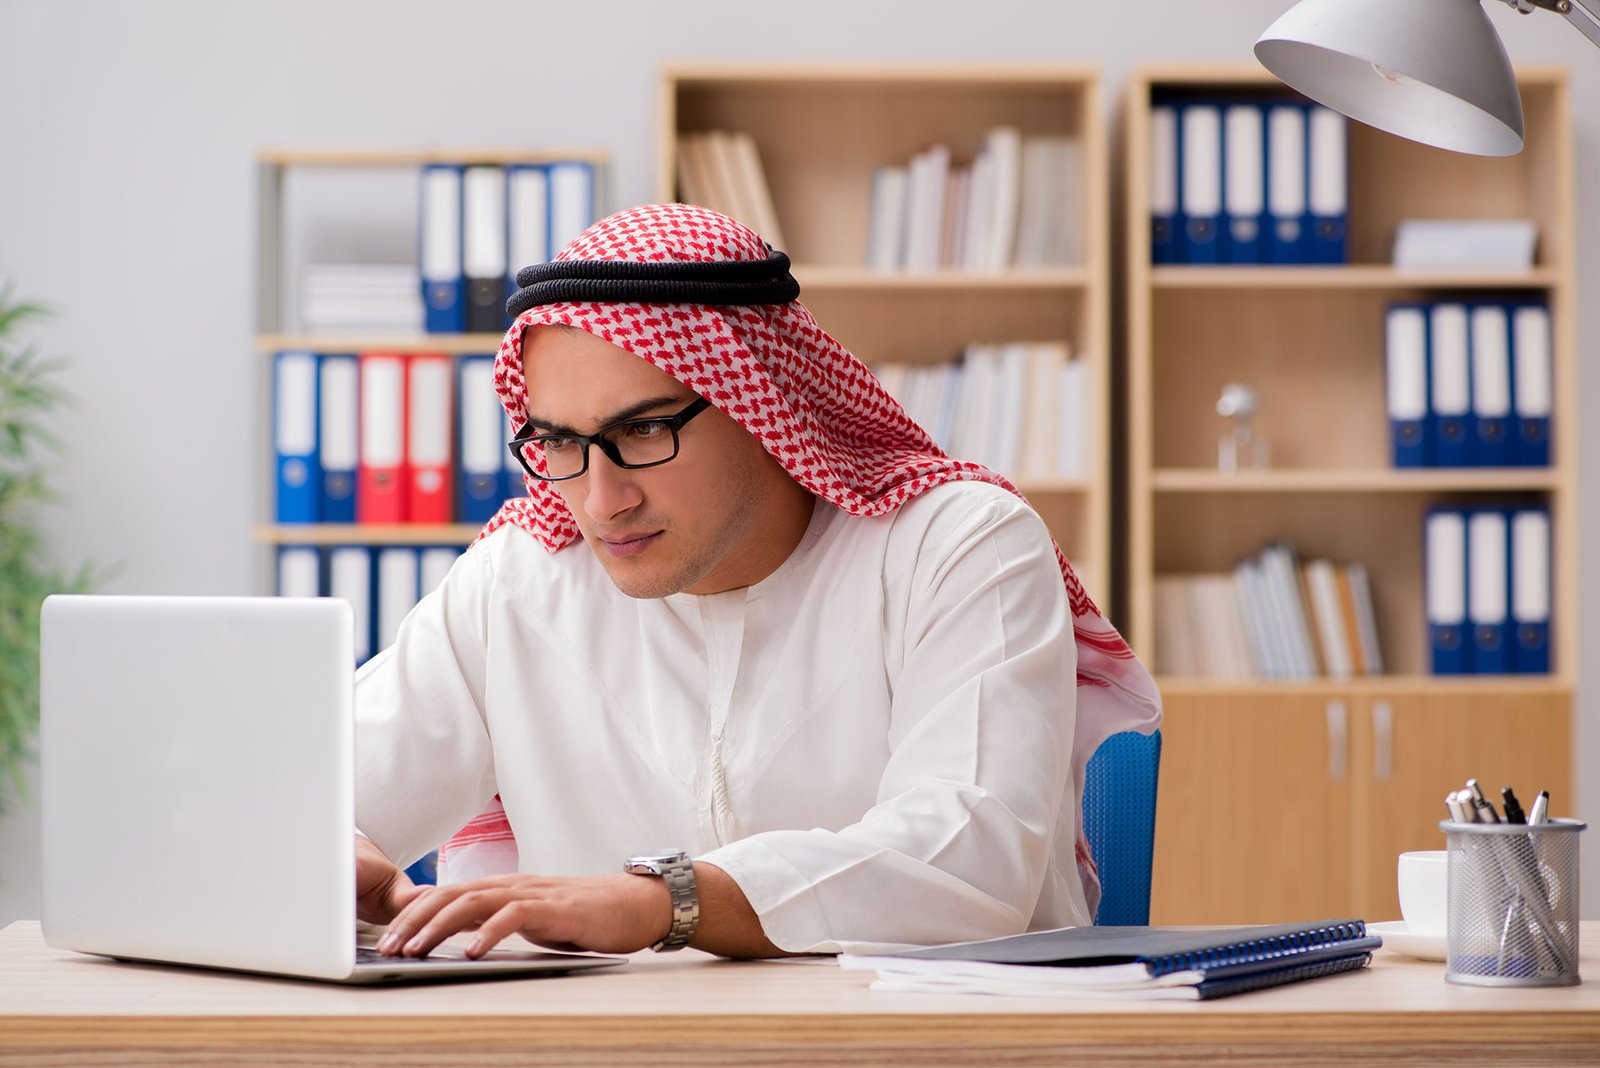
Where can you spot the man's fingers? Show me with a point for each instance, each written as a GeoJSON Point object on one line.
{"type": "Point", "coordinates": [411, 918]}
{"type": "Point", "coordinates": [588, 913]}
{"type": "Point", "coordinates": [401, 895]}
{"type": "Point", "coordinates": [497, 928]}
{"type": "Point", "coordinates": [450, 914]}
{"type": "Point", "coordinates": [385, 900]}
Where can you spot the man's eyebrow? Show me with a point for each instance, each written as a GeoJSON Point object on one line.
{"type": "Point", "coordinates": [632, 411]}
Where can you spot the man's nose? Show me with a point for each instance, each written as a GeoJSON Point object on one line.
{"type": "Point", "coordinates": [610, 490]}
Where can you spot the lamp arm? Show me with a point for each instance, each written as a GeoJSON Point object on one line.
{"type": "Point", "coordinates": [1576, 12]}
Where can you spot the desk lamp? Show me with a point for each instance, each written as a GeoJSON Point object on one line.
{"type": "Point", "coordinates": [1429, 70]}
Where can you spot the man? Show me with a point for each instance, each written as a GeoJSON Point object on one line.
{"type": "Point", "coordinates": [849, 680]}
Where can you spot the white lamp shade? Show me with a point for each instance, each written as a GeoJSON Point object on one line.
{"type": "Point", "coordinates": [1430, 70]}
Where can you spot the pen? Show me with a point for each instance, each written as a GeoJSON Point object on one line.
{"type": "Point", "coordinates": [1457, 813]}
{"type": "Point", "coordinates": [1514, 813]}
{"type": "Point", "coordinates": [1541, 808]}
{"type": "Point", "coordinates": [1485, 807]}
{"type": "Point", "coordinates": [1529, 885]}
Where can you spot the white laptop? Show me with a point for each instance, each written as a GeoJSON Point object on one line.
{"type": "Point", "coordinates": [197, 792]}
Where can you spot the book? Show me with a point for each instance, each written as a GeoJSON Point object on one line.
{"type": "Point", "coordinates": [1321, 581]}
{"type": "Point", "coordinates": [1366, 619]}
{"type": "Point", "coordinates": [755, 192]}
{"type": "Point", "coordinates": [886, 238]}
{"type": "Point", "coordinates": [694, 177]}
{"type": "Point", "coordinates": [929, 176]}
{"type": "Point", "coordinates": [1003, 146]}
{"type": "Point", "coordinates": [727, 190]}
{"type": "Point", "coordinates": [1129, 962]}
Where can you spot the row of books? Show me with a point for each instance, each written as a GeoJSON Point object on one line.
{"type": "Point", "coordinates": [382, 583]}
{"type": "Point", "coordinates": [1019, 407]}
{"type": "Point", "coordinates": [1469, 384]}
{"type": "Point", "coordinates": [1239, 180]}
{"type": "Point", "coordinates": [1271, 617]}
{"type": "Point", "coordinates": [1486, 579]}
{"type": "Point", "coordinates": [1017, 204]}
{"type": "Point", "coordinates": [389, 438]}
{"type": "Point", "coordinates": [481, 223]}
{"type": "Point", "coordinates": [721, 170]}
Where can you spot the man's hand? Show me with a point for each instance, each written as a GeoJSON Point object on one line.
{"type": "Point", "coordinates": [607, 913]}
{"type": "Point", "coordinates": [382, 889]}
{"type": "Point", "coordinates": [617, 913]}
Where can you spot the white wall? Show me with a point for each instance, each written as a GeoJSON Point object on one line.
{"type": "Point", "coordinates": [127, 133]}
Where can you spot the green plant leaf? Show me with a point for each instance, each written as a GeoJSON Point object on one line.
{"type": "Point", "coordinates": [28, 396]}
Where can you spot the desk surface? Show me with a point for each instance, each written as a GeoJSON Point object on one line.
{"type": "Point", "coordinates": [689, 1008]}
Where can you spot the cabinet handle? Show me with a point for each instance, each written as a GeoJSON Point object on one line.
{"type": "Point", "coordinates": [1382, 741]}
{"type": "Point", "coordinates": [1337, 736]}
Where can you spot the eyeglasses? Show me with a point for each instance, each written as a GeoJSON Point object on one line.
{"type": "Point", "coordinates": [631, 443]}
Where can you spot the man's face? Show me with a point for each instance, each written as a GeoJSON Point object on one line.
{"type": "Point", "coordinates": [717, 517]}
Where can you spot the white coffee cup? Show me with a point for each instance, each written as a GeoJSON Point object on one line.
{"type": "Point", "coordinates": [1425, 890]}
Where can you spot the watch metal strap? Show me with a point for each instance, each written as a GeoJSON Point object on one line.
{"type": "Point", "coordinates": [679, 877]}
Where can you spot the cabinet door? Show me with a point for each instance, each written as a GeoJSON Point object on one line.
{"type": "Point", "coordinates": [1253, 820]}
{"type": "Point", "coordinates": [1410, 750]}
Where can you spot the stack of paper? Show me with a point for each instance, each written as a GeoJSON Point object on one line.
{"type": "Point", "coordinates": [1465, 244]}
{"type": "Point", "coordinates": [360, 297]}
{"type": "Point", "coordinates": [1135, 963]}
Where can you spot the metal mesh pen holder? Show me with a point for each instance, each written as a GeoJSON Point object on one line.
{"type": "Point", "coordinates": [1513, 911]}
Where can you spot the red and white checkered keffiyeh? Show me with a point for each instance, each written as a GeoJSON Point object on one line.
{"type": "Point", "coordinates": [813, 406]}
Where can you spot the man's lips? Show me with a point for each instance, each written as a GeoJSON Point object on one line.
{"type": "Point", "coordinates": [629, 544]}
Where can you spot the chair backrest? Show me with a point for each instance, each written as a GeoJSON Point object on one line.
{"type": "Point", "coordinates": [1119, 820]}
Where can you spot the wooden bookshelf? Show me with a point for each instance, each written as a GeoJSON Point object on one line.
{"type": "Point", "coordinates": [822, 130]}
{"type": "Point", "coordinates": [275, 168]}
{"type": "Point", "coordinates": [1285, 800]}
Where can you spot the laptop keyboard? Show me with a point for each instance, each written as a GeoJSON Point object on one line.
{"type": "Point", "coordinates": [368, 955]}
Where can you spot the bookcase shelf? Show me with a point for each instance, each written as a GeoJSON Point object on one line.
{"type": "Point", "coordinates": [1429, 481]}
{"type": "Point", "coordinates": [1400, 686]}
{"type": "Point", "coordinates": [826, 277]}
{"type": "Point", "coordinates": [367, 533]}
{"type": "Point", "coordinates": [823, 130]}
{"type": "Point", "coordinates": [388, 157]}
{"type": "Point", "coordinates": [454, 344]}
{"type": "Point", "coordinates": [1360, 276]}
{"type": "Point", "coordinates": [1351, 771]}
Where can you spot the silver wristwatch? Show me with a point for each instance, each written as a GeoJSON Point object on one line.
{"type": "Point", "coordinates": [675, 867]}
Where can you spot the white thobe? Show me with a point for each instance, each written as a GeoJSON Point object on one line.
{"type": "Point", "coordinates": [874, 741]}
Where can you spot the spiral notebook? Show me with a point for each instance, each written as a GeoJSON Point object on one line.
{"type": "Point", "coordinates": [1144, 963]}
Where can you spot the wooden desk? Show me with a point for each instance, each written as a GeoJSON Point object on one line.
{"type": "Point", "coordinates": [687, 1008]}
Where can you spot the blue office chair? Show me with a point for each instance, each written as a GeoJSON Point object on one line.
{"type": "Point", "coordinates": [1119, 820]}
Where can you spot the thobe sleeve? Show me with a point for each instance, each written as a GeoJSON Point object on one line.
{"type": "Point", "coordinates": [966, 820]}
{"type": "Point", "coordinates": [424, 764]}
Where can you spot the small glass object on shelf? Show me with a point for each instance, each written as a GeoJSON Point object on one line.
{"type": "Point", "coordinates": [1240, 448]}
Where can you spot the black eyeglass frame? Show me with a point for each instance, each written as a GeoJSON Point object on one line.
{"type": "Point", "coordinates": [673, 423]}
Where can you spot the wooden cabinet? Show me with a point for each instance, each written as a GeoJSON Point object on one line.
{"type": "Point", "coordinates": [1267, 810]}
{"type": "Point", "coordinates": [1296, 804]}
{"type": "Point", "coordinates": [821, 133]}
{"type": "Point", "coordinates": [1412, 747]}
{"type": "Point", "coordinates": [1245, 779]}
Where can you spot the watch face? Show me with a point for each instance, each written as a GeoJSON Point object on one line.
{"type": "Point", "coordinates": [661, 856]}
